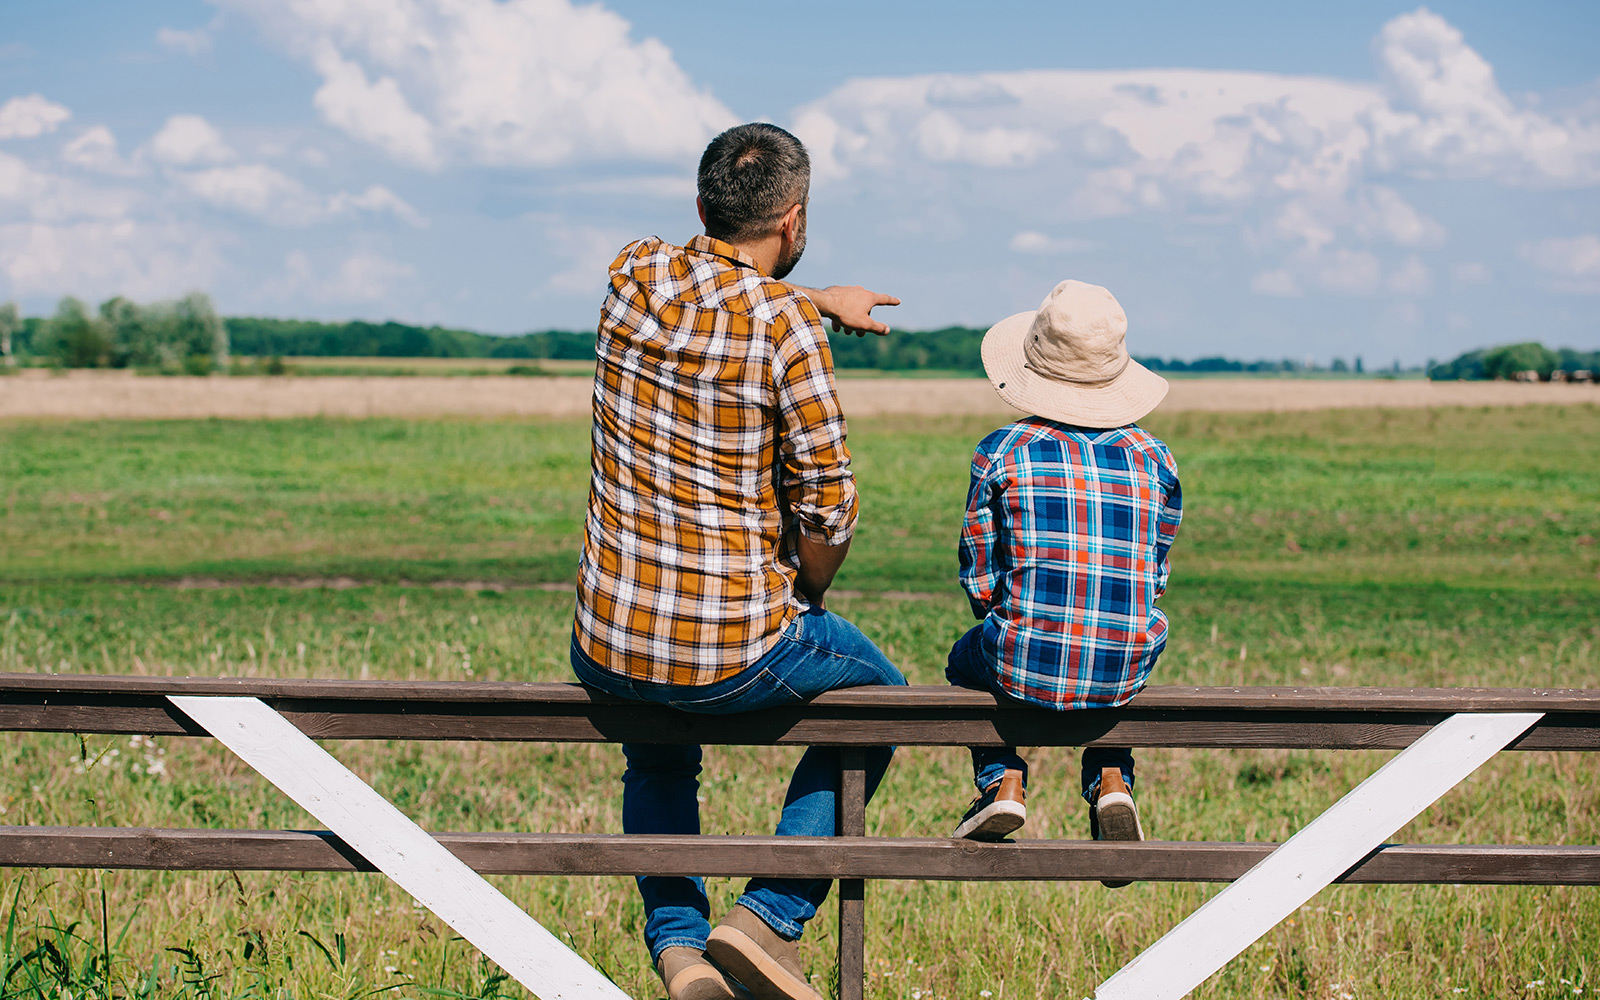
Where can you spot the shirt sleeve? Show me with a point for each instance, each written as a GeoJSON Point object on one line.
{"type": "Point", "coordinates": [1171, 516]}
{"type": "Point", "coordinates": [817, 482]}
{"type": "Point", "coordinates": [979, 571]}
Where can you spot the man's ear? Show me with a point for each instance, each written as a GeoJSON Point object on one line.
{"type": "Point", "coordinates": [789, 225]}
{"type": "Point", "coordinates": [700, 206]}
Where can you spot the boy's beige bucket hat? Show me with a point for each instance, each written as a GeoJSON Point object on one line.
{"type": "Point", "coordinates": [1068, 361]}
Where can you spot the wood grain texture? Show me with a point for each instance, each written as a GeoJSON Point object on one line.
{"type": "Point", "coordinates": [920, 696]}
{"type": "Point", "coordinates": [933, 858]}
{"type": "Point", "coordinates": [1289, 718]}
{"type": "Point", "coordinates": [852, 822]}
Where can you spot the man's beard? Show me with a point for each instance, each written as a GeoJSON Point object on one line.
{"type": "Point", "coordinates": [785, 264]}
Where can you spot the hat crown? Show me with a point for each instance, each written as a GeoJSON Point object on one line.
{"type": "Point", "coordinates": [1079, 335]}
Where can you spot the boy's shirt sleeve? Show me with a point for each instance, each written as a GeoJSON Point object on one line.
{"type": "Point", "coordinates": [980, 573]}
{"type": "Point", "coordinates": [1171, 517]}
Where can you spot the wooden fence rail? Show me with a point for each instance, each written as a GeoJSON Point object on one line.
{"type": "Point", "coordinates": [1248, 718]}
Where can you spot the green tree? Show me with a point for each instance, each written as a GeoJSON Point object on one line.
{"type": "Point", "coordinates": [137, 335]}
{"type": "Point", "coordinates": [10, 323]}
{"type": "Point", "coordinates": [200, 330]}
{"type": "Point", "coordinates": [1505, 362]}
{"type": "Point", "coordinates": [75, 337]}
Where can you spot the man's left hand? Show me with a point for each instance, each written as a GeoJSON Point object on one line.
{"type": "Point", "coordinates": [850, 308]}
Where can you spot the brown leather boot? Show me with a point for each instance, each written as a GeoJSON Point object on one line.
{"type": "Point", "coordinates": [765, 963]}
{"type": "Point", "coordinates": [688, 976]}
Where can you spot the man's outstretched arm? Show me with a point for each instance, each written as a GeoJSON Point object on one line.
{"type": "Point", "coordinates": [849, 307]}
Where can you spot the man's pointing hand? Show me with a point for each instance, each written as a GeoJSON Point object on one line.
{"type": "Point", "coordinates": [850, 307]}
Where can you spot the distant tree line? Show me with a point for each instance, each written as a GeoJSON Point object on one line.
{"type": "Point", "coordinates": [187, 335]}
{"type": "Point", "coordinates": [1509, 360]}
{"type": "Point", "coordinates": [179, 335]}
{"type": "Point", "coordinates": [360, 339]}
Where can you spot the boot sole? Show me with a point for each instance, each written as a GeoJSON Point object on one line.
{"type": "Point", "coordinates": [739, 955]}
{"type": "Point", "coordinates": [700, 983]}
{"type": "Point", "coordinates": [993, 822]}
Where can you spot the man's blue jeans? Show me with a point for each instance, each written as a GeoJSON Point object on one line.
{"type": "Point", "coordinates": [968, 668]}
{"type": "Point", "coordinates": [818, 652]}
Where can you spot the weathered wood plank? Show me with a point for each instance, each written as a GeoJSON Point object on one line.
{"type": "Point", "coordinates": [817, 723]}
{"type": "Point", "coordinates": [851, 806]}
{"type": "Point", "coordinates": [1449, 700]}
{"type": "Point", "coordinates": [935, 858]}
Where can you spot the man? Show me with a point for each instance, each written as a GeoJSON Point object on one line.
{"type": "Point", "coordinates": [721, 504]}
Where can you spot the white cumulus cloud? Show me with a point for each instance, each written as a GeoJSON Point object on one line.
{"type": "Point", "coordinates": [1445, 115]}
{"type": "Point", "coordinates": [376, 200]}
{"type": "Point", "coordinates": [100, 258]}
{"type": "Point", "coordinates": [194, 42]}
{"type": "Point", "coordinates": [269, 194]}
{"type": "Point", "coordinates": [96, 150]}
{"type": "Point", "coordinates": [360, 277]}
{"type": "Point", "coordinates": [1570, 264]}
{"type": "Point", "coordinates": [31, 116]}
{"type": "Point", "coordinates": [1033, 241]}
{"type": "Point", "coordinates": [29, 193]}
{"type": "Point", "coordinates": [1278, 283]}
{"type": "Point", "coordinates": [187, 140]}
{"type": "Point", "coordinates": [512, 83]}
{"type": "Point", "coordinates": [254, 189]}
{"type": "Point", "coordinates": [1411, 278]}
{"type": "Point", "coordinates": [1309, 170]}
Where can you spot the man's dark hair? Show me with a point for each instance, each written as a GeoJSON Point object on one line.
{"type": "Point", "coordinates": [749, 176]}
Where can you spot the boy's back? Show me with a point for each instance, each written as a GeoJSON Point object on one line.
{"type": "Point", "coordinates": [1064, 555]}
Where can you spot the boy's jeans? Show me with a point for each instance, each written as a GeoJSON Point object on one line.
{"type": "Point", "coordinates": [818, 652]}
{"type": "Point", "coordinates": [967, 668]}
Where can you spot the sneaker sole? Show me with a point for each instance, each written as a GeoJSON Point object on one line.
{"type": "Point", "coordinates": [756, 970]}
{"type": "Point", "coordinates": [1119, 820]}
{"type": "Point", "coordinates": [993, 822]}
{"type": "Point", "coordinates": [1119, 817]}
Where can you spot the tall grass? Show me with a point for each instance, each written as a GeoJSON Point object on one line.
{"type": "Point", "coordinates": [1467, 565]}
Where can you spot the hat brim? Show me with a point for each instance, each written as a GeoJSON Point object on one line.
{"type": "Point", "coordinates": [1123, 400]}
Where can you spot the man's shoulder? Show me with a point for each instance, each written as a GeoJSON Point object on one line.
{"type": "Point", "coordinates": [649, 257]}
{"type": "Point", "coordinates": [711, 281]}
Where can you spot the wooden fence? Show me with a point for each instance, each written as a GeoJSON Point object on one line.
{"type": "Point", "coordinates": [1293, 718]}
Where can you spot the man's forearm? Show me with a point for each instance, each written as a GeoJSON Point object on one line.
{"type": "Point", "coordinates": [849, 307]}
{"type": "Point", "coordinates": [818, 564]}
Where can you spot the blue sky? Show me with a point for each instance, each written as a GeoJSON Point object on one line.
{"type": "Point", "coordinates": [1250, 179]}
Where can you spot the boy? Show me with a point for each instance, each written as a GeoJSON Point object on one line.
{"type": "Point", "coordinates": [1070, 514]}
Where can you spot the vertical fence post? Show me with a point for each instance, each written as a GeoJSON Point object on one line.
{"type": "Point", "coordinates": [852, 806]}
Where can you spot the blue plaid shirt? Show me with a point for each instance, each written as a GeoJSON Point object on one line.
{"type": "Point", "coordinates": [1064, 554]}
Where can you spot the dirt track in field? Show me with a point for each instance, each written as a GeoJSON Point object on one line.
{"type": "Point", "coordinates": [82, 395]}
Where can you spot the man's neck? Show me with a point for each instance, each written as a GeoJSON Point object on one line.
{"type": "Point", "coordinates": [764, 251]}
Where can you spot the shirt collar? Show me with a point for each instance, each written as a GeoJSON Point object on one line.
{"type": "Point", "coordinates": [717, 248]}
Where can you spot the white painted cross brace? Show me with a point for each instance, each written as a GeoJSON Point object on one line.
{"type": "Point", "coordinates": [399, 848]}
{"type": "Point", "coordinates": [1228, 922]}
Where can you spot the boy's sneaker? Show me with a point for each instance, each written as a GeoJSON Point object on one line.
{"type": "Point", "coordinates": [1114, 816]}
{"type": "Point", "coordinates": [1000, 810]}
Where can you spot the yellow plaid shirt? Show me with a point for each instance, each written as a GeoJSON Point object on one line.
{"type": "Point", "coordinates": [717, 435]}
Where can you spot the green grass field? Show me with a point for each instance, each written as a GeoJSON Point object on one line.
{"type": "Point", "coordinates": [1350, 547]}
